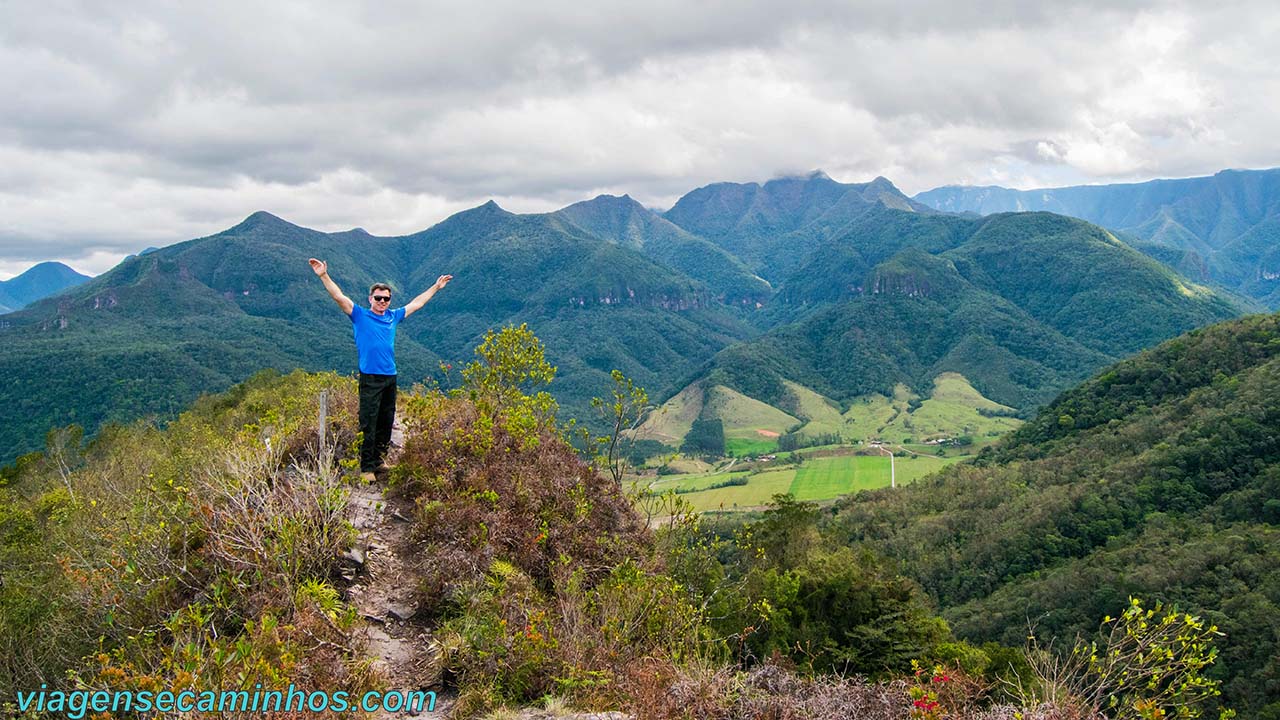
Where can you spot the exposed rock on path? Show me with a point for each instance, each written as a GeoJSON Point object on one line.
{"type": "Point", "coordinates": [383, 585]}
{"type": "Point", "coordinates": [382, 590]}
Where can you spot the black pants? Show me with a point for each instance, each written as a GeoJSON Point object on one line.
{"type": "Point", "coordinates": [377, 413]}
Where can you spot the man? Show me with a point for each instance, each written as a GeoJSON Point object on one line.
{"type": "Point", "coordinates": [375, 331]}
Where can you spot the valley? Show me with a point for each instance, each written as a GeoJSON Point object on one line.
{"type": "Point", "coordinates": [819, 452]}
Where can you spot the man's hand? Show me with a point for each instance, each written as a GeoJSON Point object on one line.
{"type": "Point", "coordinates": [321, 268]}
{"type": "Point", "coordinates": [416, 304]}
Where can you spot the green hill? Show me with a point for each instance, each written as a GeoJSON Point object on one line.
{"type": "Point", "coordinates": [1083, 282]}
{"type": "Point", "coordinates": [1022, 305]}
{"type": "Point", "coordinates": [627, 222]}
{"type": "Point", "coordinates": [773, 227]}
{"type": "Point", "coordinates": [1158, 478]}
{"type": "Point", "coordinates": [1220, 228]}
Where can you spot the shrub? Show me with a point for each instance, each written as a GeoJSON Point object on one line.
{"type": "Point", "coordinates": [195, 555]}
{"type": "Point", "coordinates": [705, 437]}
{"type": "Point", "coordinates": [1150, 664]}
{"type": "Point", "coordinates": [779, 587]}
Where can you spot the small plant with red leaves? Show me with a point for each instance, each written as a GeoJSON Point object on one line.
{"type": "Point", "coordinates": [924, 691]}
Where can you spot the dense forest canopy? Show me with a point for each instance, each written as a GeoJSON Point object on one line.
{"type": "Point", "coordinates": [1158, 478]}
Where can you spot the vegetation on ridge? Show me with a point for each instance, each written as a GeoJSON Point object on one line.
{"type": "Point", "coordinates": [197, 558]}
{"type": "Point", "coordinates": [205, 556]}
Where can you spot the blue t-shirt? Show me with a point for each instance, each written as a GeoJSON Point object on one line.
{"type": "Point", "coordinates": [376, 339]}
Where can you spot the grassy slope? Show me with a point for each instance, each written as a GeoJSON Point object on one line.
{"type": "Point", "coordinates": [872, 416]}
{"type": "Point", "coordinates": [953, 410]}
{"type": "Point", "coordinates": [671, 422]}
{"type": "Point", "coordinates": [950, 411]}
{"type": "Point", "coordinates": [744, 417]}
{"type": "Point", "coordinates": [821, 415]}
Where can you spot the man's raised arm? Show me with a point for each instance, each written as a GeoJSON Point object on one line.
{"type": "Point", "coordinates": [416, 304]}
{"type": "Point", "coordinates": [322, 269]}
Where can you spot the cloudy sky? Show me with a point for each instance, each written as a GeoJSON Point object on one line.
{"type": "Point", "coordinates": [128, 124]}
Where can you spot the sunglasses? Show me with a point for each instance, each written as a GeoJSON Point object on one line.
{"type": "Point", "coordinates": [382, 298]}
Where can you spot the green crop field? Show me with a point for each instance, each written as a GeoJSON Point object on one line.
{"type": "Point", "coordinates": [823, 478]}
{"type": "Point", "coordinates": [819, 478]}
{"type": "Point", "coordinates": [744, 446]}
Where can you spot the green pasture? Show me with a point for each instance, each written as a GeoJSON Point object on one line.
{"type": "Point", "coordinates": [745, 446]}
{"type": "Point", "coordinates": [952, 410]}
{"type": "Point", "coordinates": [671, 422]}
{"type": "Point", "coordinates": [818, 478]}
{"type": "Point", "coordinates": [822, 416]}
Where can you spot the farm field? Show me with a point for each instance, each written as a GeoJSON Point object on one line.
{"type": "Point", "coordinates": [819, 478]}
{"type": "Point", "coordinates": [749, 446]}
{"type": "Point", "coordinates": [828, 477]}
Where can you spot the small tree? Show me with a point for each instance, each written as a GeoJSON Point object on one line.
{"type": "Point", "coordinates": [510, 362]}
{"type": "Point", "coordinates": [705, 437]}
{"type": "Point", "coordinates": [63, 448]}
{"type": "Point", "coordinates": [1150, 666]}
{"type": "Point", "coordinates": [505, 378]}
{"type": "Point", "coordinates": [623, 412]}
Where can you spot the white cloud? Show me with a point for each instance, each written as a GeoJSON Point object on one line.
{"type": "Point", "coordinates": [139, 123]}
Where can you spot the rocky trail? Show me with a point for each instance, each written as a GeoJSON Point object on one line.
{"type": "Point", "coordinates": [382, 589]}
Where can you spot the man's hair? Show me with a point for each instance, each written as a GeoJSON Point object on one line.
{"type": "Point", "coordinates": [379, 286]}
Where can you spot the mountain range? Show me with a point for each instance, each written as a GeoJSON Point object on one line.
{"type": "Point", "coordinates": [840, 289]}
{"type": "Point", "coordinates": [1223, 229]}
{"type": "Point", "coordinates": [38, 281]}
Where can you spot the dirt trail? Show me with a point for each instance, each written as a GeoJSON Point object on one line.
{"type": "Point", "coordinates": [383, 588]}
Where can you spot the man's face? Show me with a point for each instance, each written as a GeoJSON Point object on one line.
{"type": "Point", "coordinates": [379, 301]}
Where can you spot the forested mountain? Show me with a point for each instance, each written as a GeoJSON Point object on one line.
{"type": "Point", "coordinates": [38, 281]}
{"type": "Point", "coordinates": [1021, 304]}
{"type": "Point", "coordinates": [773, 227]}
{"type": "Point", "coordinates": [1224, 228]}
{"type": "Point", "coordinates": [870, 289]}
{"type": "Point", "coordinates": [627, 222]}
{"type": "Point", "coordinates": [1159, 478]}
{"type": "Point", "coordinates": [150, 335]}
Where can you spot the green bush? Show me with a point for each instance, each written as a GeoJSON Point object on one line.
{"type": "Point", "coordinates": [705, 437]}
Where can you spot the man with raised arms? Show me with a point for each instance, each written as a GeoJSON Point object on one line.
{"type": "Point", "coordinates": [375, 331]}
